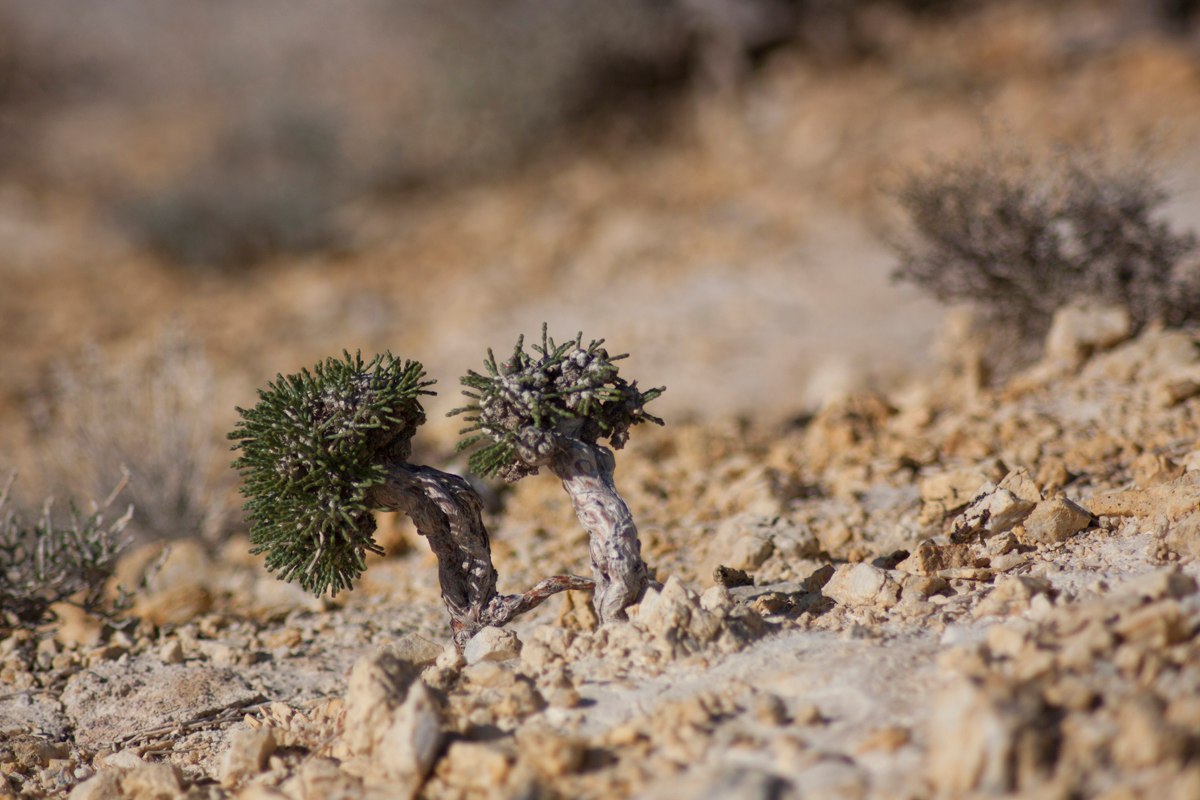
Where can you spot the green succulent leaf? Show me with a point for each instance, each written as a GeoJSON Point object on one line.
{"type": "Point", "coordinates": [552, 389]}
{"type": "Point", "coordinates": [311, 450]}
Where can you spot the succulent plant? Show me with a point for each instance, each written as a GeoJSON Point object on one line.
{"type": "Point", "coordinates": [550, 408]}
{"type": "Point", "coordinates": [47, 563]}
{"type": "Point", "coordinates": [323, 449]}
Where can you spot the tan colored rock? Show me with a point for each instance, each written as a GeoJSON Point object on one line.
{"type": "Point", "coordinates": [1054, 520]}
{"type": "Point", "coordinates": [492, 644]}
{"type": "Point", "coordinates": [1152, 469]}
{"type": "Point", "coordinates": [178, 590]}
{"type": "Point", "coordinates": [121, 759]}
{"type": "Point", "coordinates": [1161, 584]}
{"type": "Point", "coordinates": [989, 740]}
{"type": "Point", "coordinates": [1173, 390]}
{"type": "Point", "coordinates": [1012, 594]}
{"type": "Point", "coordinates": [749, 552]}
{"type": "Point", "coordinates": [931, 559]}
{"type": "Point", "coordinates": [479, 766]}
{"type": "Point", "coordinates": [489, 674]}
{"type": "Point", "coordinates": [246, 754]}
{"type": "Point", "coordinates": [922, 587]}
{"type": "Point", "coordinates": [416, 649]}
{"type": "Point", "coordinates": [716, 600]}
{"type": "Point", "coordinates": [887, 739]}
{"type": "Point", "coordinates": [1159, 624]}
{"type": "Point", "coordinates": [104, 785]}
{"type": "Point", "coordinates": [321, 779]}
{"type": "Point", "coordinates": [1182, 536]}
{"type": "Point", "coordinates": [676, 619]}
{"type": "Point", "coordinates": [152, 782]}
{"type": "Point", "coordinates": [378, 685]}
{"type": "Point", "coordinates": [409, 746]}
{"type": "Point", "coordinates": [1145, 738]}
{"type": "Point", "coordinates": [1078, 331]}
{"type": "Point", "coordinates": [944, 494]}
{"type": "Point", "coordinates": [1172, 500]}
{"type": "Point", "coordinates": [393, 723]}
{"type": "Point", "coordinates": [742, 542]}
{"type": "Point", "coordinates": [550, 752]}
{"type": "Point", "coordinates": [1022, 485]}
{"type": "Point", "coordinates": [996, 511]}
{"type": "Point", "coordinates": [862, 585]}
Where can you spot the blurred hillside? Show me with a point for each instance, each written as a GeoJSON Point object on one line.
{"type": "Point", "coordinates": [701, 182]}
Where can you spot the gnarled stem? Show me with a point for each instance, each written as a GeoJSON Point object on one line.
{"type": "Point", "coordinates": [586, 472]}
{"type": "Point", "coordinates": [447, 512]}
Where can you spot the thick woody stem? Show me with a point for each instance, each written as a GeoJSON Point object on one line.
{"type": "Point", "coordinates": [586, 472]}
{"type": "Point", "coordinates": [447, 512]}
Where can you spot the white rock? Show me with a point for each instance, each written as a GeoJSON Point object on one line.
{"type": "Point", "coordinates": [122, 759]}
{"type": "Point", "coordinates": [106, 785]}
{"type": "Point", "coordinates": [716, 599]}
{"type": "Point", "coordinates": [985, 742]}
{"type": "Point", "coordinates": [1078, 331]}
{"type": "Point", "coordinates": [676, 618]}
{"type": "Point", "coordinates": [409, 746]}
{"type": "Point", "coordinates": [995, 512]}
{"type": "Point", "coordinates": [248, 751]}
{"type": "Point", "coordinates": [378, 685]}
{"type": "Point", "coordinates": [862, 584]}
{"type": "Point", "coordinates": [152, 782]}
{"type": "Point", "coordinates": [492, 644]}
{"type": "Point", "coordinates": [416, 649]}
{"type": "Point", "coordinates": [393, 724]}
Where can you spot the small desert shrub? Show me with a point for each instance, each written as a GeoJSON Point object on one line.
{"type": "Point", "coordinates": [1018, 236]}
{"type": "Point", "coordinates": [45, 562]}
{"type": "Point", "coordinates": [272, 186]}
{"type": "Point", "coordinates": [149, 414]}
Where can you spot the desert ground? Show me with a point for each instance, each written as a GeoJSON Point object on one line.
{"type": "Point", "coordinates": [879, 573]}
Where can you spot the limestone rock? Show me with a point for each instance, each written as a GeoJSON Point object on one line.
{"type": "Point", "coordinates": [492, 644]}
{"type": "Point", "coordinates": [152, 782]}
{"type": "Point", "coordinates": [996, 511]}
{"type": "Point", "coordinates": [1055, 520]}
{"type": "Point", "coordinates": [741, 542]}
{"type": "Point", "coordinates": [1078, 331]}
{"type": "Point", "coordinates": [676, 618]}
{"type": "Point", "coordinates": [393, 723]}
{"type": "Point", "coordinates": [862, 585]}
{"type": "Point", "coordinates": [993, 741]}
{"type": "Point", "coordinates": [104, 785]}
{"type": "Point", "coordinates": [1161, 584]}
{"type": "Point", "coordinates": [1172, 499]}
{"type": "Point", "coordinates": [1012, 594]}
{"type": "Point", "coordinates": [416, 649]}
{"type": "Point", "coordinates": [321, 778]}
{"type": "Point", "coordinates": [550, 752]}
{"type": "Point", "coordinates": [930, 559]}
{"type": "Point", "coordinates": [246, 753]}
{"type": "Point", "coordinates": [943, 494]}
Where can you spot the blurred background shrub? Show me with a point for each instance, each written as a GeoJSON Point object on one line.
{"type": "Point", "coordinates": [146, 415]}
{"type": "Point", "coordinates": [1017, 235]}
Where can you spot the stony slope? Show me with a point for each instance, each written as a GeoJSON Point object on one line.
{"type": "Point", "coordinates": [954, 592]}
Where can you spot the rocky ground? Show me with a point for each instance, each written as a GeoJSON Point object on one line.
{"type": "Point", "coordinates": [954, 592]}
{"type": "Point", "coordinates": [880, 577]}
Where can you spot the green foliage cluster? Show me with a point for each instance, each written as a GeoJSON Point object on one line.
{"type": "Point", "coordinates": [312, 448]}
{"type": "Point", "coordinates": [48, 563]}
{"type": "Point", "coordinates": [524, 403]}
